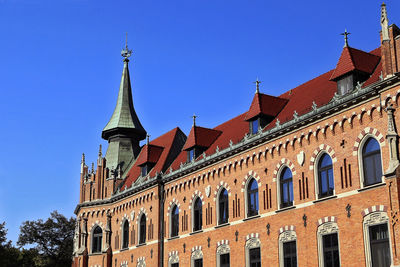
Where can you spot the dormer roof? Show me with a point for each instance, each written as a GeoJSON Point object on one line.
{"type": "Point", "coordinates": [149, 154]}
{"type": "Point", "coordinates": [353, 59]}
{"type": "Point", "coordinates": [266, 105]}
{"type": "Point", "coordinates": [201, 137]}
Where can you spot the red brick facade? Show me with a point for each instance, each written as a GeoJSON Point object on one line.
{"type": "Point", "coordinates": [338, 127]}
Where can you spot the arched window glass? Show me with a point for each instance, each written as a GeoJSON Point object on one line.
{"type": "Point", "coordinates": [175, 221]}
{"type": "Point", "coordinates": [286, 190]}
{"type": "Point", "coordinates": [223, 208]}
{"type": "Point", "coordinates": [325, 176]}
{"type": "Point", "coordinates": [372, 165]}
{"type": "Point", "coordinates": [252, 198]}
{"type": "Point", "coordinates": [197, 215]}
{"type": "Point", "coordinates": [142, 229]}
{"type": "Point", "coordinates": [97, 238]}
{"type": "Point", "coordinates": [125, 235]}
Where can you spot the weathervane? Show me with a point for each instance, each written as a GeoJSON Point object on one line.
{"type": "Point", "coordinates": [194, 119]}
{"type": "Point", "coordinates": [257, 82]}
{"type": "Point", "coordinates": [126, 53]}
{"type": "Point", "coordinates": [346, 39]}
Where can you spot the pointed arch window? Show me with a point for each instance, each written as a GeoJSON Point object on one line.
{"type": "Point", "coordinates": [97, 239]}
{"type": "Point", "coordinates": [223, 207]}
{"type": "Point", "coordinates": [286, 188]}
{"type": "Point", "coordinates": [125, 234]}
{"type": "Point", "coordinates": [175, 221]}
{"type": "Point", "coordinates": [371, 160]}
{"type": "Point", "coordinates": [252, 198]}
{"type": "Point", "coordinates": [197, 214]}
{"type": "Point", "coordinates": [142, 229]}
{"type": "Point", "coordinates": [326, 184]}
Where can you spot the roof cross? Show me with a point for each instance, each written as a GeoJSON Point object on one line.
{"type": "Point", "coordinates": [126, 53]}
{"type": "Point", "coordinates": [147, 139]}
{"type": "Point", "coordinates": [194, 119]}
{"type": "Point", "coordinates": [346, 39]}
{"type": "Point", "coordinates": [257, 82]}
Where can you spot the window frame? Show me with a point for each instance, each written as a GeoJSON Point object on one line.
{"type": "Point", "coordinates": [142, 232]}
{"type": "Point", "coordinates": [361, 161]}
{"type": "Point", "coordinates": [247, 197]}
{"type": "Point", "coordinates": [280, 188]}
{"type": "Point", "coordinates": [252, 242]}
{"type": "Point", "coordinates": [285, 237]}
{"type": "Point", "coordinates": [327, 228]}
{"type": "Point", "coordinates": [174, 224]}
{"type": "Point", "coordinates": [218, 204]}
{"type": "Point", "coordinates": [196, 254]}
{"type": "Point", "coordinates": [200, 219]}
{"type": "Point", "coordinates": [253, 131]}
{"type": "Point", "coordinates": [125, 235]}
{"type": "Point", "coordinates": [223, 249]}
{"type": "Point", "coordinates": [317, 174]}
{"type": "Point", "coordinates": [97, 238]}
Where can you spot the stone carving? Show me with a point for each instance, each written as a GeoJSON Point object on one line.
{"type": "Point", "coordinates": [197, 254]}
{"type": "Point", "coordinates": [392, 138]}
{"type": "Point", "coordinates": [328, 228]}
{"type": "Point", "coordinates": [223, 249]}
{"type": "Point", "coordinates": [174, 258]}
{"type": "Point", "coordinates": [301, 158]}
{"type": "Point", "coordinates": [208, 190]}
{"type": "Point", "coordinates": [141, 262]}
{"type": "Point", "coordinates": [287, 236]}
{"type": "Point", "coordinates": [253, 243]}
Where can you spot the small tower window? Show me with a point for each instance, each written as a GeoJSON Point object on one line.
{"type": "Point", "coordinates": [345, 84]}
{"type": "Point", "coordinates": [254, 126]}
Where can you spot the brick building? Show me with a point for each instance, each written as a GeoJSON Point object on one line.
{"type": "Point", "coordinates": [307, 178]}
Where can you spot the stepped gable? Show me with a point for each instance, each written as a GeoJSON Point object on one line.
{"type": "Point", "coordinates": [159, 151]}
{"type": "Point", "coordinates": [265, 105]}
{"type": "Point", "coordinates": [202, 137]}
{"type": "Point", "coordinates": [353, 59]}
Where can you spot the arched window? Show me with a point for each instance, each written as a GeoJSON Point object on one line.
{"type": "Point", "coordinates": [286, 188]}
{"type": "Point", "coordinates": [371, 160]}
{"type": "Point", "coordinates": [252, 198]}
{"type": "Point", "coordinates": [325, 176]}
{"type": "Point", "coordinates": [197, 214]}
{"type": "Point", "coordinates": [223, 208]}
{"type": "Point", "coordinates": [97, 238]}
{"type": "Point", "coordinates": [125, 234]}
{"type": "Point", "coordinates": [142, 229]}
{"type": "Point", "coordinates": [175, 221]}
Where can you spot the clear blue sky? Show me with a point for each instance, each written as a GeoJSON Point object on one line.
{"type": "Point", "coordinates": [60, 68]}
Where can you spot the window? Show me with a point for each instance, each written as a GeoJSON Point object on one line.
{"type": "Point", "coordinates": [224, 260]}
{"type": "Point", "coordinates": [143, 170]}
{"type": "Point", "coordinates": [175, 221]}
{"type": "Point", "coordinates": [252, 198]}
{"type": "Point", "coordinates": [197, 215]}
{"type": "Point", "coordinates": [345, 85]}
{"type": "Point", "coordinates": [175, 264]}
{"type": "Point", "coordinates": [97, 239]}
{"type": "Point", "coordinates": [286, 188]}
{"type": "Point", "coordinates": [254, 126]}
{"type": "Point", "coordinates": [125, 234]}
{"type": "Point", "coordinates": [331, 250]}
{"type": "Point", "coordinates": [379, 243]}
{"type": "Point", "coordinates": [142, 229]}
{"type": "Point", "coordinates": [371, 160]}
{"type": "Point", "coordinates": [198, 263]}
{"type": "Point", "coordinates": [191, 155]}
{"type": "Point", "coordinates": [255, 257]}
{"type": "Point", "coordinates": [289, 254]}
{"type": "Point", "coordinates": [223, 208]}
{"type": "Point", "coordinates": [325, 176]}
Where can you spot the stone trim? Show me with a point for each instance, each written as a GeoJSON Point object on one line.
{"type": "Point", "coordinates": [218, 188]}
{"type": "Point", "coordinates": [284, 162]}
{"type": "Point", "coordinates": [327, 219]}
{"type": "Point", "coordinates": [196, 193]}
{"type": "Point", "coordinates": [171, 204]}
{"type": "Point", "coordinates": [368, 131]}
{"type": "Point", "coordinates": [141, 262]}
{"type": "Point", "coordinates": [324, 148]}
{"type": "Point", "coordinates": [142, 211]}
{"type": "Point", "coordinates": [286, 228]}
{"type": "Point", "coordinates": [375, 208]}
{"type": "Point", "coordinates": [251, 174]}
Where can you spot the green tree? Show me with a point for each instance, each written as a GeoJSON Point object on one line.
{"type": "Point", "coordinates": [51, 239]}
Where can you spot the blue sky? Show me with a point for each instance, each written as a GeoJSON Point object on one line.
{"type": "Point", "coordinates": [60, 68]}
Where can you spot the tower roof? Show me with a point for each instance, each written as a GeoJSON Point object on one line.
{"type": "Point", "coordinates": [124, 119]}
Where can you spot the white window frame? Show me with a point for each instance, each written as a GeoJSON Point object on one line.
{"type": "Point", "coordinates": [217, 204]}
{"type": "Point", "coordinates": [122, 231]}
{"type": "Point", "coordinates": [284, 237]}
{"type": "Point", "coordinates": [221, 250]}
{"type": "Point", "coordinates": [326, 229]}
{"type": "Point", "coordinates": [316, 174]}
{"type": "Point", "coordinates": [278, 186]}
{"type": "Point", "coordinates": [360, 160]}
{"type": "Point", "coordinates": [91, 238]}
{"type": "Point", "coordinates": [252, 242]}
{"type": "Point", "coordinates": [375, 218]}
{"type": "Point", "coordinates": [246, 198]}
{"type": "Point", "coordinates": [196, 254]}
{"type": "Point", "coordinates": [138, 229]}
{"type": "Point", "coordinates": [193, 203]}
{"type": "Point", "coordinates": [170, 219]}
{"type": "Point", "coordinates": [173, 258]}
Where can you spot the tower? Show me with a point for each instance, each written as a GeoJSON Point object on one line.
{"type": "Point", "coordinates": [124, 130]}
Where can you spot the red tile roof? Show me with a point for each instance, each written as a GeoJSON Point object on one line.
{"type": "Point", "coordinates": [149, 154]}
{"type": "Point", "coordinates": [353, 59]}
{"type": "Point", "coordinates": [267, 105]}
{"type": "Point", "coordinates": [200, 136]}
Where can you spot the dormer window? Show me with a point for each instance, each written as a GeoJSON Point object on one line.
{"type": "Point", "coordinates": [254, 126]}
{"type": "Point", "coordinates": [191, 155]}
{"type": "Point", "coordinates": [145, 169]}
{"type": "Point", "coordinates": [345, 84]}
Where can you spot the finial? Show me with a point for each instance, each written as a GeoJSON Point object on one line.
{"type": "Point", "coordinates": [83, 158]}
{"type": "Point", "coordinates": [257, 82]}
{"type": "Point", "coordinates": [100, 154]}
{"type": "Point", "coordinates": [346, 39]}
{"type": "Point", "coordinates": [92, 167]}
{"type": "Point", "coordinates": [147, 139]}
{"type": "Point", "coordinates": [194, 119]}
{"type": "Point", "coordinates": [384, 22]}
{"type": "Point", "coordinates": [126, 53]}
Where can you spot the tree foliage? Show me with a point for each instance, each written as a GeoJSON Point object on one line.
{"type": "Point", "coordinates": [50, 243]}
